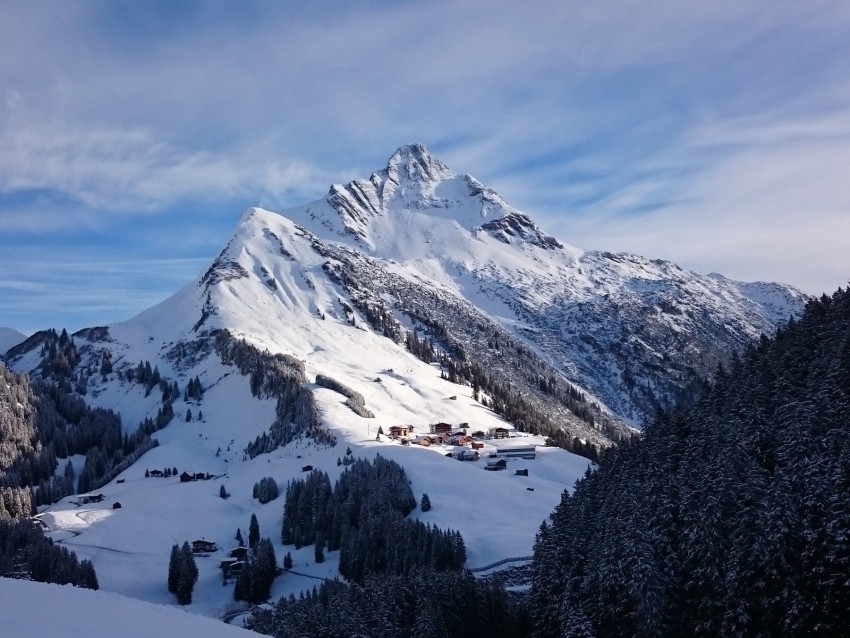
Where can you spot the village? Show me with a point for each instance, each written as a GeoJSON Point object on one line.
{"type": "Point", "coordinates": [494, 449]}
{"type": "Point", "coordinates": [466, 445]}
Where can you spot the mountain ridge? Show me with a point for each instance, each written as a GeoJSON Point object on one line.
{"type": "Point", "coordinates": [629, 333]}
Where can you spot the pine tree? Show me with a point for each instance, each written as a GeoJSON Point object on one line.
{"type": "Point", "coordinates": [187, 575]}
{"type": "Point", "coordinates": [88, 577]}
{"type": "Point", "coordinates": [174, 569]}
{"type": "Point", "coordinates": [319, 550]}
{"type": "Point", "coordinates": [425, 504]}
{"type": "Point", "coordinates": [253, 532]}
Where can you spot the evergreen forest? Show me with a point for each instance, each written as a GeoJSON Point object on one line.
{"type": "Point", "coordinates": [731, 518]}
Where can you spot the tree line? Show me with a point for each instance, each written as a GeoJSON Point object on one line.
{"type": "Point", "coordinates": [280, 376]}
{"type": "Point", "coordinates": [26, 553]}
{"type": "Point", "coordinates": [730, 518]}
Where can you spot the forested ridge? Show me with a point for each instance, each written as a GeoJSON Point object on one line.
{"type": "Point", "coordinates": [731, 518]}
{"type": "Point", "coordinates": [404, 578]}
{"type": "Point", "coordinates": [44, 418]}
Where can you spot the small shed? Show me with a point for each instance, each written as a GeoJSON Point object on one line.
{"type": "Point", "coordinates": [307, 468]}
{"type": "Point", "coordinates": [117, 505]}
{"type": "Point", "coordinates": [523, 472]}
{"type": "Point", "coordinates": [186, 477]}
{"type": "Point", "coordinates": [495, 466]}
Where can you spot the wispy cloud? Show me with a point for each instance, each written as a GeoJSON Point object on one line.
{"type": "Point", "coordinates": [771, 201]}
{"type": "Point", "coordinates": [688, 130]}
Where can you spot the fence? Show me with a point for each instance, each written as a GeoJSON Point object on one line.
{"type": "Point", "coordinates": [516, 559]}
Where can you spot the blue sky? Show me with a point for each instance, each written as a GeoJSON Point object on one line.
{"type": "Point", "coordinates": [133, 134]}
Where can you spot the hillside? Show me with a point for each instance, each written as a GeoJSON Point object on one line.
{"type": "Point", "coordinates": [730, 518]}
{"type": "Point", "coordinates": [81, 613]}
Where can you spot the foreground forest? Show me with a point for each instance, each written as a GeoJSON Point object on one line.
{"type": "Point", "coordinates": [731, 518]}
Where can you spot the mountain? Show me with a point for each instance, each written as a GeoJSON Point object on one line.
{"type": "Point", "coordinates": [415, 297]}
{"type": "Point", "coordinates": [9, 338]}
{"type": "Point", "coordinates": [595, 339]}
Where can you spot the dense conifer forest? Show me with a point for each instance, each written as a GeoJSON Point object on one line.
{"type": "Point", "coordinates": [42, 421]}
{"type": "Point", "coordinates": [26, 553]}
{"type": "Point", "coordinates": [404, 578]}
{"type": "Point", "coordinates": [731, 518]}
{"type": "Point", "coordinates": [363, 516]}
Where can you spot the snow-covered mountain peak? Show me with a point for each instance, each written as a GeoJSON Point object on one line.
{"type": "Point", "coordinates": [416, 195]}
{"type": "Point", "coordinates": [415, 165]}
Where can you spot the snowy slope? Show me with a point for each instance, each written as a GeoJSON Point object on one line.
{"type": "Point", "coordinates": [82, 613]}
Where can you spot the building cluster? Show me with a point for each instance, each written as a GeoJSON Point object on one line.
{"type": "Point", "coordinates": [467, 444]}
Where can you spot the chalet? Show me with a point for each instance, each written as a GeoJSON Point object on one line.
{"type": "Point", "coordinates": [464, 454]}
{"type": "Point", "coordinates": [85, 499]}
{"type": "Point", "coordinates": [157, 473]}
{"type": "Point", "coordinates": [518, 452]}
{"type": "Point", "coordinates": [496, 465]}
{"type": "Point", "coordinates": [441, 428]}
{"type": "Point", "coordinates": [499, 433]}
{"type": "Point", "coordinates": [425, 441]}
{"type": "Point", "coordinates": [236, 568]}
{"type": "Point", "coordinates": [239, 553]}
{"type": "Point", "coordinates": [476, 445]}
{"type": "Point", "coordinates": [523, 472]}
{"type": "Point", "coordinates": [398, 431]}
{"type": "Point", "coordinates": [225, 566]}
{"type": "Point", "coordinates": [478, 434]}
{"type": "Point", "coordinates": [203, 546]}
{"type": "Point", "coordinates": [186, 477]}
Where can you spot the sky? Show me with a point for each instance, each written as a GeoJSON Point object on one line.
{"type": "Point", "coordinates": [134, 134]}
